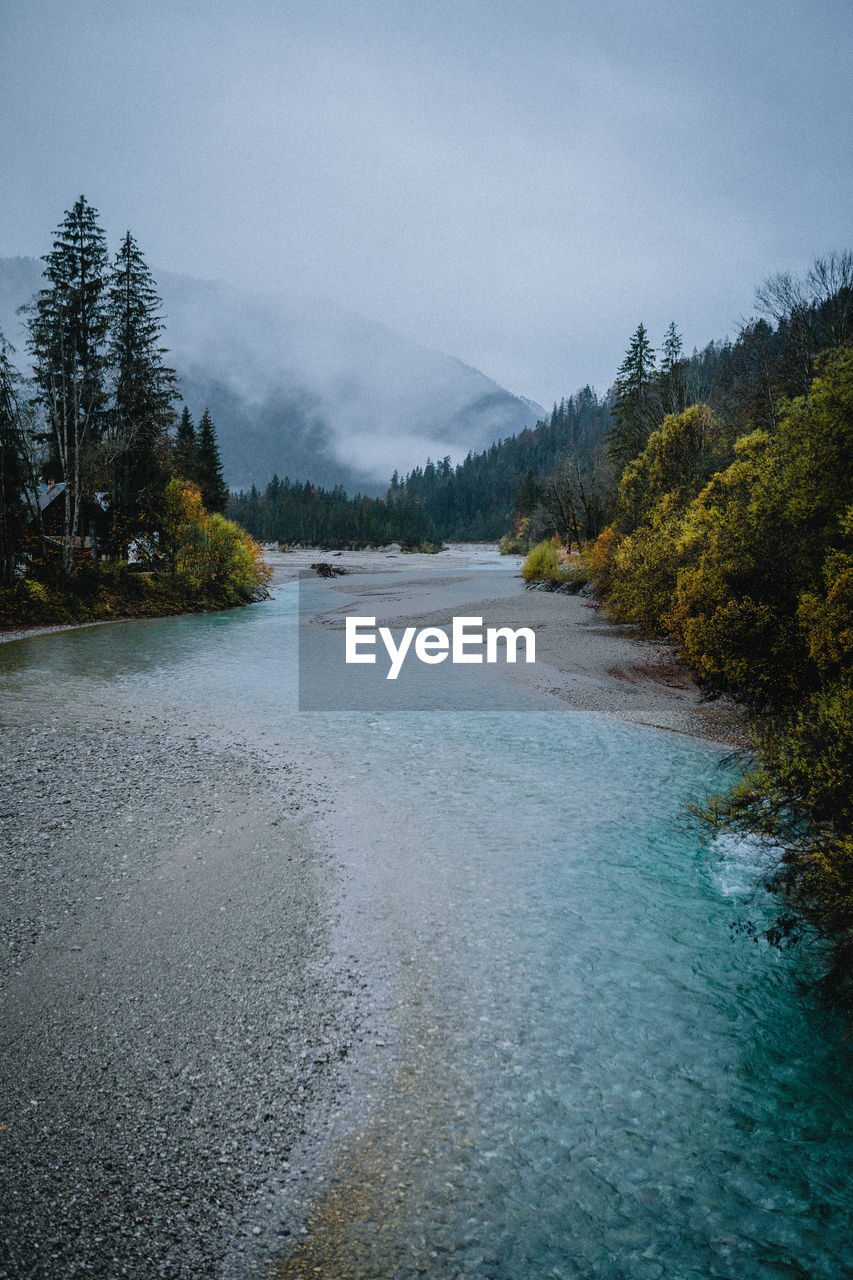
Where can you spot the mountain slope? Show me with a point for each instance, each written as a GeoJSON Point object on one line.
{"type": "Point", "coordinates": [303, 388]}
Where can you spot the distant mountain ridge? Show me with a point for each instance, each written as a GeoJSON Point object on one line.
{"type": "Point", "coordinates": [306, 389]}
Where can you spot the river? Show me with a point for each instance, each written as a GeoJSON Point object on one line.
{"type": "Point", "coordinates": [571, 1065]}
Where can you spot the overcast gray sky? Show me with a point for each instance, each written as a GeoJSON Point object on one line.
{"type": "Point", "coordinates": [515, 182]}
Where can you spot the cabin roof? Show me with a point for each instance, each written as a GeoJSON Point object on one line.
{"type": "Point", "coordinates": [48, 493]}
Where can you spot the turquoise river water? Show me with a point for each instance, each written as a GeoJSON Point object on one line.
{"type": "Point", "coordinates": [583, 1072]}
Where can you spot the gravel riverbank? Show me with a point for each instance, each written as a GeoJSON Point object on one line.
{"type": "Point", "coordinates": [169, 1015]}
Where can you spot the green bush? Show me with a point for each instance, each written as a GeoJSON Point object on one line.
{"type": "Point", "coordinates": [517, 541]}
{"type": "Point", "coordinates": [544, 565]}
{"type": "Point", "coordinates": [642, 574]}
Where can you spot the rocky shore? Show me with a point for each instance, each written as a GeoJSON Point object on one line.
{"type": "Point", "coordinates": [169, 1014]}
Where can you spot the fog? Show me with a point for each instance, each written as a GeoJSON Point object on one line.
{"type": "Point", "coordinates": [368, 399]}
{"type": "Point", "coordinates": [514, 184]}
{"type": "Point", "coordinates": [301, 387]}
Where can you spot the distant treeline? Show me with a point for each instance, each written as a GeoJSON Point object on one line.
{"type": "Point", "coordinates": [474, 501]}
{"type": "Point", "coordinates": [297, 512]}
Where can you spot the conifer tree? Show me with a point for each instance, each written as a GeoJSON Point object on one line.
{"type": "Point", "coordinates": [144, 389]}
{"type": "Point", "coordinates": [214, 490]}
{"type": "Point", "coordinates": [673, 391]}
{"type": "Point", "coordinates": [68, 329]}
{"type": "Point", "coordinates": [529, 494]}
{"type": "Point", "coordinates": [633, 410]}
{"type": "Point", "coordinates": [186, 447]}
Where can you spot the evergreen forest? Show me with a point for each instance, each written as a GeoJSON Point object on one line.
{"type": "Point", "coordinates": [109, 502]}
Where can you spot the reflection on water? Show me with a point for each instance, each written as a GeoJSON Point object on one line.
{"type": "Point", "coordinates": [585, 1074]}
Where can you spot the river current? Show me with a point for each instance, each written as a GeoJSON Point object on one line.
{"type": "Point", "coordinates": [578, 1068]}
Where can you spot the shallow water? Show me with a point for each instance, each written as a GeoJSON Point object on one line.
{"type": "Point", "coordinates": [584, 1073]}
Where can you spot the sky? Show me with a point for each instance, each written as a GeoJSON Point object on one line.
{"type": "Point", "coordinates": [517, 183]}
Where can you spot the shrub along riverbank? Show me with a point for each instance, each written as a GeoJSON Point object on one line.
{"type": "Point", "coordinates": [727, 506]}
{"type": "Point", "coordinates": [197, 563]}
{"type": "Point", "coordinates": [104, 595]}
{"type": "Point", "coordinates": [741, 552]}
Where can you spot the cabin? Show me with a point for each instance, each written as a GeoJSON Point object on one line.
{"type": "Point", "coordinates": [52, 512]}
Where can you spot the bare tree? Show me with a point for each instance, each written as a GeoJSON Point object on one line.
{"type": "Point", "coordinates": [788, 301]}
{"type": "Point", "coordinates": [831, 282]}
{"type": "Point", "coordinates": [19, 504]}
{"type": "Point", "coordinates": [816, 311]}
{"type": "Point", "coordinates": [575, 497]}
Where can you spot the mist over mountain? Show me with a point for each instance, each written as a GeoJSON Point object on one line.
{"type": "Point", "coordinates": [306, 389]}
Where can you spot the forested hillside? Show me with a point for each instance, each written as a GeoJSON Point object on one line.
{"type": "Point", "coordinates": [473, 501]}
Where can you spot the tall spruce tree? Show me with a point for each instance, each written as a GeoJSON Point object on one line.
{"type": "Point", "coordinates": [214, 490]}
{"type": "Point", "coordinates": [144, 390]}
{"type": "Point", "coordinates": [186, 447]}
{"type": "Point", "coordinates": [673, 390]}
{"type": "Point", "coordinates": [634, 407]}
{"type": "Point", "coordinates": [68, 329]}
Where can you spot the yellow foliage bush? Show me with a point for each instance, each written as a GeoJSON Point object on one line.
{"type": "Point", "coordinates": [207, 551]}
{"type": "Point", "coordinates": [36, 590]}
{"type": "Point", "coordinates": [517, 542]}
{"type": "Point", "coordinates": [644, 567]}
{"type": "Point", "coordinates": [601, 557]}
{"type": "Point", "coordinates": [543, 563]}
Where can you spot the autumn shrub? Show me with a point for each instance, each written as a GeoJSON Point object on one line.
{"type": "Point", "coordinates": [234, 560]}
{"type": "Point", "coordinates": [601, 556]}
{"type": "Point", "coordinates": [642, 573]}
{"type": "Point", "coordinates": [206, 551]}
{"type": "Point", "coordinates": [677, 460]}
{"type": "Point", "coordinates": [37, 591]}
{"type": "Point", "coordinates": [543, 564]}
{"type": "Point", "coordinates": [517, 541]}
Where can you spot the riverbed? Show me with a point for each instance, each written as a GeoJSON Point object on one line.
{"type": "Point", "coordinates": [389, 993]}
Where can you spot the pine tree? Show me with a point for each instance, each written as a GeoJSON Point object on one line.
{"type": "Point", "coordinates": [529, 494]}
{"type": "Point", "coordinates": [144, 389]}
{"type": "Point", "coordinates": [633, 410]}
{"type": "Point", "coordinates": [186, 447]}
{"type": "Point", "coordinates": [68, 329]}
{"type": "Point", "coordinates": [673, 390]}
{"type": "Point", "coordinates": [214, 490]}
